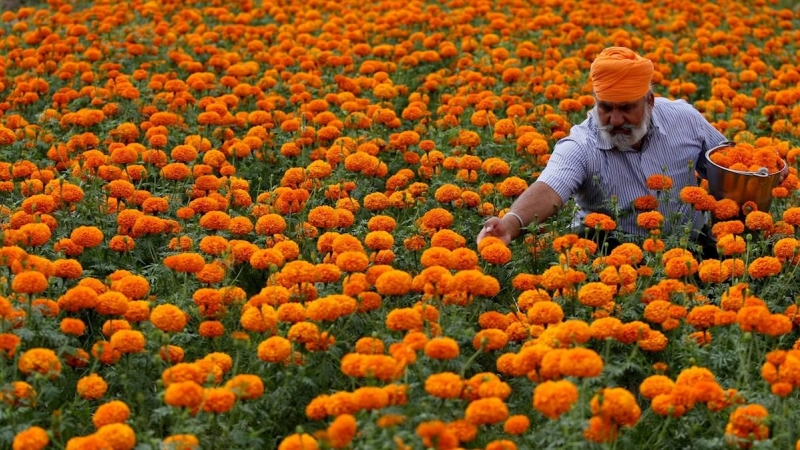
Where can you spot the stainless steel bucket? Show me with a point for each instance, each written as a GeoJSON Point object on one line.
{"type": "Point", "coordinates": [739, 186]}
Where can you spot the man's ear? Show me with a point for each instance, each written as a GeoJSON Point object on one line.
{"type": "Point", "coordinates": [651, 99]}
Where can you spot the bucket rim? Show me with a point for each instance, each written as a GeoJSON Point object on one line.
{"type": "Point", "coordinates": [739, 172]}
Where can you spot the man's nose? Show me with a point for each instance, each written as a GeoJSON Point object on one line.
{"type": "Point", "coordinates": [616, 119]}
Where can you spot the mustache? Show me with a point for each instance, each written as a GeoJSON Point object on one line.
{"type": "Point", "coordinates": [610, 127]}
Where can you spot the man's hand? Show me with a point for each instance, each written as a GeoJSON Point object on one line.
{"type": "Point", "coordinates": [506, 229]}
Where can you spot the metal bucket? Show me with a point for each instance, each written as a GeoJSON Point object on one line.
{"type": "Point", "coordinates": [739, 186]}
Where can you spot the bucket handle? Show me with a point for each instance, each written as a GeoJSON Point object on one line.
{"type": "Point", "coordinates": [726, 144]}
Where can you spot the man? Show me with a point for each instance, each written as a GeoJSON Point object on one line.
{"type": "Point", "coordinates": [628, 136]}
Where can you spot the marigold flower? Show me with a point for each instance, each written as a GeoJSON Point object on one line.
{"type": "Point", "coordinates": [32, 438]}
{"type": "Point", "coordinates": [656, 385]}
{"type": "Point", "coordinates": [298, 442]}
{"type": "Point", "coordinates": [342, 430]}
{"type": "Point", "coordinates": [184, 394]}
{"type": "Point", "coordinates": [181, 442]}
{"type": "Point", "coordinates": [441, 348]}
{"type": "Point", "coordinates": [41, 360]}
{"type": "Point", "coordinates": [114, 411]}
{"type": "Point", "coordinates": [765, 266]}
{"type": "Point", "coordinates": [747, 423]}
{"type": "Point", "coordinates": [218, 400]}
{"type": "Point", "coordinates": [246, 387]}
{"type": "Point", "coordinates": [658, 182]}
{"type": "Point", "coordinates": [92, 387]}
{"type": "Point", "coordinates": [554, 398]}
{"type": "Point", "coordinates": [595, 294]}
{"type": "Point", "coordinates": [617, 405]}
{"type": "Point", "coordinates": [545, 312]}
{"type": "Point", "coordinates": [486, 411]}
{"type": "Point", "coordinates": [496, 254]}
{"type": "Point", "coordinates": [29, 282]}
{"type": "Point", "coordinates": [394, 282]}
{"type": "Point", "coordinates": [128, 341]}
{"type": "Point", "coordinates": [489, 340]}
{"type": "Point", "coordinates": [650, 220]}
{"type": "Point", "coordinates": [274, 349]}
{"type": "Point", "coordinates": [168, 318]}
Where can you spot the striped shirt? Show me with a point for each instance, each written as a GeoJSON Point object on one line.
{"type": "Point", "coordinates": [588, 167]}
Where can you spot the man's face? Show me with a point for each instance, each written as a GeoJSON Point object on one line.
{"type": "Point", "coordinates": [624, 124]}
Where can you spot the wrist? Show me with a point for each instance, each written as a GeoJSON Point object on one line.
{"type": "Point", "coordinates": [516, 222]}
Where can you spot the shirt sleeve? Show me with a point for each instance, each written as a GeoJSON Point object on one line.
{"type": "Point", "coordinates": [566, 170]}
{"type": "Point", "coordinates": [710, 137]}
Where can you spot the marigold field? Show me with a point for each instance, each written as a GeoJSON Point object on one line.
{"type": "Point", "coordinates": [251, 224]}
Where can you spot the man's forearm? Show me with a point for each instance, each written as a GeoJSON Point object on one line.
{"type": "Point", "coordinates": [537, 204]}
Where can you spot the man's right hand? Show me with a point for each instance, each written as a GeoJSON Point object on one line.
{"type": "Point", "coordinates": [506, 229]}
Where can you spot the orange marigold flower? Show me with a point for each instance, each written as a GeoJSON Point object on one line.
{"type": "Point", "coordinates": [128, 341]}
{"type": "Point", "coordinates": [92, 387]}
{"type": "Point", "coordinates": [29, 282]}
{"type": "Point", "coordinates": [442, 348]}
{"type": "Point", "coordinates": [168, 318]}
{"type": "Point", "coordinates": [41, 360]}
{"type": "Point", "coordinates": [298, 442]}
{"type": "Point", "coordinates": [765, 266]}
{"type": "Point", "coordinates": [32, 438]}
{"type": "Point", "coordinates": [274, 349]}
{"type": "Point", "coordinates": [184, 394]}
{"type": "Point", "coordinates": [650, 220]}
{"type": "Point", "coordinates": [554, 398]}
{"type": "Point", "coordinates": [114, 411]}
{"type": "Point", "coordinates": [394, 282]}
{"type": "Point", "coordinates": [658, 182]}
{"type": "Point", "coordinates": [486, 411]}
{"type": "Point", "coordinates": [645, 203]}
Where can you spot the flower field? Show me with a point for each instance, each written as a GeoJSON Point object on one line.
{"type": "Point", "coordinates": [252, 224]}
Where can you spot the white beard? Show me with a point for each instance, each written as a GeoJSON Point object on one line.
{"type": "Point", "coordinates": [625, 141]}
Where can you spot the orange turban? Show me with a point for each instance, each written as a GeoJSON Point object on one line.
{"type": "Point", "coordinates": [620, 75]}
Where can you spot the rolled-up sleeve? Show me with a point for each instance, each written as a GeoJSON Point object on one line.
{"type": "Point", "coordinates": [566, 170]}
